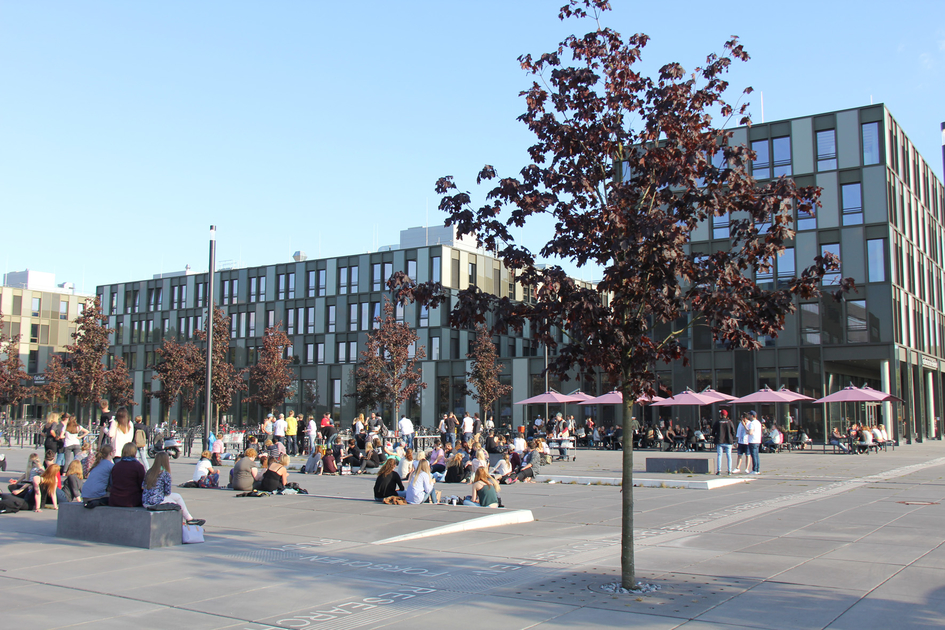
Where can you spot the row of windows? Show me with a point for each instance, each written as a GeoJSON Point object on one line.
{"type": "Point", "coordinates": [773, 157]}
{"type": "Point", "coordinates": [36, 307]}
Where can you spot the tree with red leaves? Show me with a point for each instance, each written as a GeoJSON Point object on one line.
{"type": "Point", "coordinates": [272, 377]}
{"type": "Point", "coordinates": [484, 375]}
{"type": "Point", "coordinates": [13, 377]}
{"type": "Point", "coordinates": [226, 381]}
{"type": "Point", "coordinates": [180, 367]}
{"type": "Point", "coordinates": [628, 166]}
{"type": "Point", "coordinates": [387, 373]}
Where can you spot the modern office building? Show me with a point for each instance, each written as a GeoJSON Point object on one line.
{"type": "Point", "coordinates": [42, 312]}
{"type": "Point", "coordinates": [882, 213]}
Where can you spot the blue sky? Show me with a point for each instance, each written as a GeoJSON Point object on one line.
{"type": "Point", "coordinates": [127, 128]}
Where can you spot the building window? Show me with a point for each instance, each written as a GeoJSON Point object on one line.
{"type": "Point", "coordinates": [435, 269]}
{"type": "Point", "coordinates": [856, 322]}
{"type": "Point", "coordinates": [322, 282]}
{"type": "Point", "coordinates": [253, 289]}
{"type": "Point", "coordinates": [876, 260]}
{"type": "Point", "coordinates": [376, 319]}
{"type": "Point", "coordinates": [311, 287]}
{"type": "Point", "coordinates": [720, 226]}
{"type": "Point", "coordinates": [36, 304]}
{"type": "Point", "coordinates": [310, 320]}
{"type": "Point", "coordinates": [810, 323]}
{"type": "Point", "coordinates": [320, 353]}
{"type": "Point", "coordinates": [331, 319]}
{"type": "Point", "coordinates": [310, 353]}
{"type": "Point", "coordinates": [32, 363]}
{"type": "Point", "coordinates": [827, 150]}
{"type": "Point", "coordinates": [785, 267]}
{"type": "Point", "coordinates": [424, 316]}
{"type": "Point", "coordinates": [226, 291]}
{"type": "Point", "coordinates": [399, 312]}
{"type": "Point", "coordinates": [114, 302]}
{"type": "Point", "coordinates": [806, 216]}
{"type": "Point", "coordinates": [290, 321]}
{"type": "Point", "coordinates": [870, 132]}
{"type": "Point", "coordinates": [175, 297]}
{"type": "Point", "coordinates": [270, 318]}
{"type": "Point", "coordinates": [353, 317]}
{"type": "Point", "coordinates": [290, 290]}
{"type": "Point", "coordinates": [137, 301]}
{"type": "Point", "coordinates": [342, 280]}
{"type": "Point", "coordinates": [353, 351]}
{"type": "Point", "coordinates": [354, 279]}
{"type": "Point", "coordinates": [34, 333]}
{"type": "Point", "coordinates": [851, 201]}
{"type": "Point", "coordinates": [412, 270]}
{"type": "Point", "coordinates": [435, 348]}
{"type": "Point", "coordinates": [336, 396]}
{"type": "Point", "coordinates": [64, 310]}
{"type": "Point", "coordinates": [832, 277]}
{"type": "Point", "coordinates": [201, 294]}
{"type": "Point", "coordinates": [782, 155]}
{"type": "Point", "coordinates": [280, 286]}
{"type": "Point", "coordinates": [761, 165]}
{"type": "Point", "coordinates": [764, 277]}
{"type": "Point", "coordinates": [251, 318]}
{"type": "Point", "coordinates": [376, 277]}
{"type": "Point", "coordinates": [472, 274]}
{"type": "Point", "coordinates": [365, 316]}
{"type": "Point", "coordinates": [234, 330]}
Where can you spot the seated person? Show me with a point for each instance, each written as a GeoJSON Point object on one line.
{"type": "Point", "coordinates": [205, 474]}
{"type": "Point", "coordinates": [276, 475]}
{"type": "Point", "coordinates": [773, 439]}
{"type": "Point", "coordinates": [26, 486]}
{"type": "Point", "coordinates": [455, 470]}
{"type": "Point", "coordinates": [492, 445]}
{"type": "Point", "coordinates": [836, 439]}
{"type": "Point", "coordinates": [352, 457]}
{"type": "Point", "coordinates": [314, 464]}
{"type": "Point", "coordinates": [437, 458]}
{"type": "Point", "coordinates": [245, 472]}
{"type": "Point", "coordinates": [865, 440]}
{"type": "Point", "coordinates": [530, 465]}
{"type": "Point", "coordinates": [485, 490]}
{"type": "Point", "coordinates": [99, 479]}
{"type": "Point", "coordinates": [216, 450]}
{"type": "Point", "coordinates": [503, 469]}
{"type": "Point", "coordinates": [127, 477]}
{"type": "Point", "coordinates": [49, 489]}
{"type": "Point", "coordinates": [156, 488]}
{"type": "Point", "coordinates": [388, 482]}
{"type": "Point", "coordinates": [877, 435]}
{"type": "Point", "coordinates": [72, 483]}
{"type": "Point", "coordinates": [406, 465]}
{"type": "Point", "coordinates": [369, 459]}
{"type": "Point", "coordinates": [421, 487]}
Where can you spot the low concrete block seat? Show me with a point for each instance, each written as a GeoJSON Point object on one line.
{"type": "Point", "coordinates": [129, 527]}
{"type": "Point", "coordinates": [694, 465]}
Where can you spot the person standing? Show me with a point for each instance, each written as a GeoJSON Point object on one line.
{"type": "Point", "coordinates": [278, 429]}
{"type": "Point", "coordinates": [291, 434]}
{"type": "Point", "coordinates": [754, 442]}
{"type": "Point", "coordinates": [723, 432]}
{"type": "Point", "coordinates": [452, 424]}
{"type": "Point", "coordinates": [405, 426]}
{"type": "Point", "coordinates": [141, 441]}
{"type": "Point", "coordinates": [312, 432]}
{"type": "Point", "coordinates": [468, 426]}
{"type": "Point", "coordinates": [741, 437]}
{"type": "Point", "coordinates": [327, 427]}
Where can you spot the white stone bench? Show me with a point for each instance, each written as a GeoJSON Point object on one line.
{"type": "Point", "coordinates": [130, 527]}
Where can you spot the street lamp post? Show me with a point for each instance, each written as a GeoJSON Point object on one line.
{"type": "Point", "coordinates": [210, 307]}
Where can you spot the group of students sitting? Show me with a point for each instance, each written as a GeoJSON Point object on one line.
{"type": "Point", "coordinates": [97, 480]}
{"type": "Point", "coordinates": [859, 438]}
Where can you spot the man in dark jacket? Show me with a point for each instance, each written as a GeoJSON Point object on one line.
{"type": "Point", "coordinates": [723, 432]}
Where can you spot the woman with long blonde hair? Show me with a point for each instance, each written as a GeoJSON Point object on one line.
{"type": "Point", "coordinates": [420, 488]}
{"type": "Point", "coordinates": [48, 489]}
{"type": "Point", "coordinates": [156, 488]}
{"type": "Point", "coordinates": [72, 481]}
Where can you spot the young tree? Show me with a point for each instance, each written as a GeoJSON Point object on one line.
{"type": "Point", "coordinates": [180, 368]}
{"type": "Point", "coordinates": [13, 377]}
{"type": "Point", "coordinates": [226, 380]}
{"type": "Point", "coordinates": [87, 371]}
{"type": "Point", "coordinates": [627, 166]}
{"type": "Point", "coordinates": [272, 377]}
{"type": "Point", "coordinates": [387, 373]}
{"type": "Point", "coordinates": [485, 372]}
{"type": "Point", "coordinates": [56, 384]}
{"type": "Point", "coordinates": [119, 386]}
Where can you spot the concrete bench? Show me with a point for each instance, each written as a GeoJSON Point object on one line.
{"type": "Point", "coordinates": [693, 465]}
{"type": "Point", "coordinates": [130, 527]}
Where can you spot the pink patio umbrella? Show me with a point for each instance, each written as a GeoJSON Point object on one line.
{"type": "Point", "coordinates": [795, 396]}
{"type": "Point", "coordinates": [687, 398]}
{"type": "Point", "coordinates": [616, 398]}
{"type": "Point", "coordinates": [717, 395]}
{"type": "Point", "coordinates": [764, 395]}
{"type": "Point", "coordinates": [884, 397]}
{"type": "Point", "coordinates": [551, 397]}
{"type": "Point", "coordinates": [581, 395]}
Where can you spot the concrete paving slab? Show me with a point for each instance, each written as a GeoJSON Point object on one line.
{"type": "Point", "coordinates": [745, 565]}
{"type": "Point", "coordinates": [796, 546]}
{"type": "Point", "coordinates": [878, 612]}
{"type": "Point", "coordinates": [850, 575]}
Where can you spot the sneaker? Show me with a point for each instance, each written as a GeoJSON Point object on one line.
{"type": "Point", "coordinates": [730, 472]}
{"type": "Point", "coordinates": [196, 521]}
{"type": "Point", "coordinates": [718, 472]}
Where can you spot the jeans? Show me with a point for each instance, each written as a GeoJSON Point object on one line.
{"type": "Point", "coordinates": [143, 458]}
{"type": "Point", "coordinates": [753, 451]}
{"type": "Point", "coordinates": [452, 438]}
{"type": "Point", "coordinates": [292, 445]}
{"type": "Point", "coordinates": [723, 448]}
{"type": "Point", "coordinates": [467, 437]}
{"type": "Point", "coordinates": [408, 438]}
{"type": "Point", "coordinates": [70, 453]}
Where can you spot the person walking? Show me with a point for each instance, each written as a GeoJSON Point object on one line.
{"type": "Point", "coordinates": [723, 432]}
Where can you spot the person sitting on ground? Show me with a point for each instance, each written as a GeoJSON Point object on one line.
{"type": "Point", "coordinates": [49, 489]}
{"type": "Point", "coordinates": [127, 477]}
{"type": "Point", "coordinates": [369, 459]}
{"type": "Point", "coordinates": [276, 475]}
{"type": "Point", "coordinates": [98, 481]}
{"type": "Point", "coordinates": [485, 490]}
{"type": "Point", "coordinates": [388, 482]}
{"type": "Point", "coordinates": [503, 469]}
{"type": "Point", "coordinates": [837, 439]}
{"type": "Point", "coordinates": [406, 465]}
{"type": "Point", "coordinates": [492, 444]}
{"type": "Point", "coordinates": [156, 488]}
{"type": "Point", "coordinates": [530, 465]}
{"type": "Point", "coordinates": [205, 474]}
{"type": "Point", "coordinates": [314, 464]}
{"type": "Point", "coordinates": [72, 482]}
{"type": "Point", "coordinates": [216, 450]}
{"type": "Point", "coordinates": [421, 487]}
{"type": "Point", "coordinates": [455, 471]}
{"type": "Point", "coordinates": [437, 458]}
{"type": "Point", "coordinates": [480, 460]}
{"type": "Point", "coordinates": [244, 472]}
{"type": "Point", "coordinates": [352, 456]}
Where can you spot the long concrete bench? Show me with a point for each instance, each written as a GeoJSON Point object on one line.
{"type": "Point", "coordinates": [694, 465]}
{"type": "Point", "coordinates": [130, 527]}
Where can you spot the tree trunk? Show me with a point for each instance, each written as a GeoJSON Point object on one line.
{"type": "Point", "coordinates": [627, 569]}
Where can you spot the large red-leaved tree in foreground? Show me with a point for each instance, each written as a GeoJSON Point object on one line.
{"type": "Point", "coordinates": [628, 166]}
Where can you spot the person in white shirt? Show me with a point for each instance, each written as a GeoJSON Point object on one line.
{"type": "Point", "coordinates": [312, 432]}
{"type": "Point", "coordinates": [518, 444]}
{"type": "Point", "coordinates": [468, 427]}
{"type": "Point", "coordinates": [405, 426]}
{"type": "Point", "coordinates": [754, 442]}
{"type": "Point", "coordinates": [278, 429]}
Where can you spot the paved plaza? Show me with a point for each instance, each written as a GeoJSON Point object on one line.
{"type": "Point", "coordinates": [817, 541]}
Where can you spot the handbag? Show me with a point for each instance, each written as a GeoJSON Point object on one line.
{"type": "Point", "coordinates": [191, 534]}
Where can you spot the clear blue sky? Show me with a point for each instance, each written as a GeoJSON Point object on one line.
{"type": "Point", "coordinates": [127, 128]}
